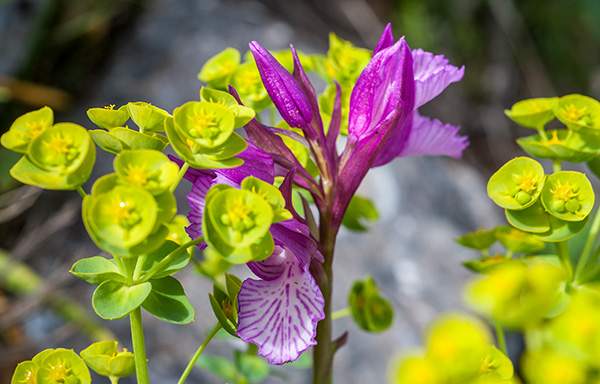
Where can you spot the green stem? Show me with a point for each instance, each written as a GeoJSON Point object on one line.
{"type": "Point", "coordinates": [168, 259]}
{"type": "Point", "coordinates": [589, 244]}
{"type": "Point", "coordinates": [500, 337]}
{"type": "Point", "coordinates": [194, 358]}
{"type": "Point", "coordinates": [139, 347]}
{"type": "Point", "coordinates": [81, 192]}
{"type": "Point", "coordinates": [340, 313]}
{"type": "Point", "coordinates": [180, 175]}
{"type": "Point", "coordinates": [323, 351]}
{"type": "Point", "coordinates": [113, 379]}
{"type": "Point", "coordinates": [557, 165]}
{"type": "Point", "coordinates": [542, 133]}
{"type": "Point", "coordinates": [120, 265]}
{"type": "Point", "coordinates": [562, 250]}
{"type": "Point", "coordinates": [138, 267]}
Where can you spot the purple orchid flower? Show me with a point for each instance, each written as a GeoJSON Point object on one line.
{"type": "Point", "coordinates": [383, 121]}
{"type": "Point", "coordinates": [280, 312]}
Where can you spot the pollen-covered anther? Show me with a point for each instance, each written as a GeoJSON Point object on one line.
{"type": "Point", "coordinates": [238, 216]}
{"type": "Point", "coordinates": [204, 125]}
{"type": "Point", "coordinates": [579, 115]}
{"type": "Point", "coordinates": [59, 372]}
{"type": "Point", "coordinates": [487, 365]}
{"type": "Point", "coordinates": [137, 174]}
{"type": "Point", "coordinates": [34, 128]}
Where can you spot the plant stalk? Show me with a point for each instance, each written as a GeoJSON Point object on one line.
{"type": "Point", "coordinates": [194, 358]}
{"type": "Point", "coordinates": [139, 347]}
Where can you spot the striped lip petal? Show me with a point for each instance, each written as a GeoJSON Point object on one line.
{"type": "Point", "coordinates": [432, 75]}
{"type": "Point", "coordinates": [280, 316]}
{"type": "Point", "coordinates": [432, 137]}
{"type": "Point", "coordinates": [196, 198]}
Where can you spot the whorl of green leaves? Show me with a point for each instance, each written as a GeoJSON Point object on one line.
{"type": "Point", "coordinates": [236, 222]}
{"type": "Point", "coordinates": [59, 156]}
{"type": "Point", "coordinates": [53, 366]}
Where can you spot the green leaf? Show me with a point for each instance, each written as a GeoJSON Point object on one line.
{"type": "Point", "coordinates": [168, 302]}
{"type": "Point", "coordinates": [96, 270]}
{"type": "Point", "coordinates": [177, 263]}
{"type": "Point", "coordinates": [533, 113]}
{"type": "Point", "coordinates": [568, 196]}
{"type": "Point", "coordinates": [531, 219]}
{"type": "Point", "coordinates": [270, 194]}
{"type": "Point", "coordinates": [360, 208]}
{"type": "Point", "coordinates": [26, 128]}
{"type": "Point", "coordinates": [242, 114]}
{"type": "Point", "coordinates": [105, 360]}
{"type": "Point", "coordinates": [218, 69]}
{"type": "Point", "coordinates": [561, 230]}
{"type": "Point", "coordinates": [62, 148]}
{"type": "Point", "coordinates": [78, 372]}
{"type": "Point", "coordinates": [517, 184]}
{"type": "Point", "coordinates": [255, 368]}
{"type": "Point", "coordinates": [138, 140]}
{"type": "Point", "coordinates": [26, 371]}
{"type": "Point", "coordinates": [146, 168]}
{"type": "Point", "coordinates": [108, 117]}
{"type": "Point", "coordinates": [217, 158]}
{"type": "Point", "coordinates": [147, 117]}
{"type": "Point", "coordinates": [518, 241]}
{"type": "Point", "coordinates": [123, 217]}
{"type": "Point", "coordinates": [479, 240]}
{"type": "Point", "coordinates": [107, 141]}
{"type": "Point", "coordinates": [113, 300]}
{"type": "Point", "coordinates": [28, 173]}
{"type": "Point", "coordinates": [217, 302]}
{"type": "Point", "coordinates": [219, 366]}
{"type": "Point", "coordinates": [206, 125]}
{"type": "Point", "coordinates": [579, 113]}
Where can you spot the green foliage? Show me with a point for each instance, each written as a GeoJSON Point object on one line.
{"type": "Point", "coordinates": [359, 209]}
{"type": "Point", "coordinates": [113, 300]}
{"type": "Point", "coordinates": [458, 350]}
{"type": "Point", "coordinates": [370, 310]}
{"type": "Point", "coordinates": [53, 366]}
{"type": "Point", "coordinates": [105, 360]}
{"type": "Point", "coordinates": [167, 301]}
{"type": "Point", "coordinates": [224, 303]}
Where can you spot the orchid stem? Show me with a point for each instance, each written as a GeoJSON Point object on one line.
{"type": "Point", "coordinates": [194, 358]}
{"type": "Point", "coordinates": [139, 347]}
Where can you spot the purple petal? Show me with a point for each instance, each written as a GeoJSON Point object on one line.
{"type": "Point", "coordinates": [432, 137]}
{"type": "Point", "coordinates": [196, 198]}
{"type": "Point", "coordinates": [336, 121]}
{"type": "Point", "coordinates": [432, 75]}
{"type": "Point", "coordinates": [280, 316]}
{"type": "Point", "coordinates": [315, 130]}
{"type": "Point", "coordinates": [283, 89]}
{"type": "Point", "coordinates": [282, 156]}
{"type": "Point", "coordinates": [386, 40]}
{"type": "Point", "coordinates": [257, 163]}
{"type": "Point", "coordinates": [394, 145]}
{"type": "Point", "coordinates": [382, 100]}
{"type": "Point", "coordinates": [384, 86]}
{"type": "Point", "coordinates": [271, 268]}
